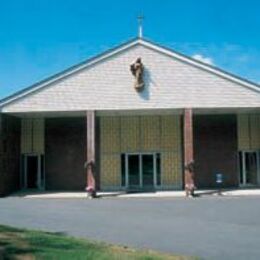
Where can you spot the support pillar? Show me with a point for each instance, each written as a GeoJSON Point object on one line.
{"type": "Point", "coordinates": [188, 152]}
{"type": "Point", "coordinates": [90, 163]}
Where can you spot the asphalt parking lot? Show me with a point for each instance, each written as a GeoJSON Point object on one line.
{"type": "Point", "coordinates": [208, 227]}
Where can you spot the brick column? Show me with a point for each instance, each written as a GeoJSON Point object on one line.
{"type": "Point", "coordinates": [188, 152]}
{"type": "Point", "coordinates": [91, 160]}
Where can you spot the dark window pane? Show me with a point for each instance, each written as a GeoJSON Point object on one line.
{"type": "Point", "coordinates": [251, 168]}
{"type": "Point", "coordinates": [5, 146]}
{"type": "Point", "coordinates": [42, 170]}
{"type": "Point", "coordinates": [158, 168]}
{"type": "Point", "coordinates": [148, 169]}
{"type": "Point", "coordinates": [123, 170]}
{"type": "Point", "coordinates": [241, 167]}
{"type": "Point", "coordinates": [133, 170]}
{"type": "Point", "coordinates": [32, 171]}
{"type": "Point", "coordinates": [22, 171]}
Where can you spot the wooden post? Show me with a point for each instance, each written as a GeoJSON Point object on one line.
{"type": "Point", "coordinates": [90, 163]}
{"type": "Point", "coordinates": [188, 152]}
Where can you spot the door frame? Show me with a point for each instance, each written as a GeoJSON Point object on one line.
{"type": "Point", "coordinates": [154, 154]}
{"type": "Point", "coordinates": [40, 170]}
{"type": "Point", "coordinates": [243, 152]}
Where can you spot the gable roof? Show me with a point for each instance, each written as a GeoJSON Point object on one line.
{"type": "Point", "coordinates": [136, 41]}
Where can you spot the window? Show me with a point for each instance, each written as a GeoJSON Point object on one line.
{"type": "Point", "coordinates": [140, 170]}
{"type": "Point", "coordinates": [123, 172]}
{"type": "Point", "coordinates": [158, 169]}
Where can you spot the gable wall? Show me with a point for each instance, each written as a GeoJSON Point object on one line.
{"type": "Point", "coordinates": [109, 85]}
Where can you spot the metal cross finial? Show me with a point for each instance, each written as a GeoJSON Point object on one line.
{"type": "Point", "coordinates": [140, 19]}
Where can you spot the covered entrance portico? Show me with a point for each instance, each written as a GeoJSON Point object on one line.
{"type": "Point", "coordinates": [139, 116]}
{"type": "Point", "coordinates": [227, 141]}
{"type": "Point", "coordinates": [141, 151]}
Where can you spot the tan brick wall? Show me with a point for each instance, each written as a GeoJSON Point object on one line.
{"type": "Point", "coordinates": [110, 151]}
{"type": "Point", "coordinates": [171, 151]}
{"type": "Point", "coordinates": [110, 170]}
{"type": "Point", "coordinates": [130, 130]}
{"type": "Point", "coordinates": [248, 130]}
{"type": "Point", "coordinates": [160, 134]}
{"type": "Point", "coordinates": [32, 135]}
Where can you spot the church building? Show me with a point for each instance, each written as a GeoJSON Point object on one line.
{"type": "Point", "coordinates": [138, 117]}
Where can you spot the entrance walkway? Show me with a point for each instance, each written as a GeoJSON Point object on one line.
{"type": "Point", "coordinates": [158, 194]}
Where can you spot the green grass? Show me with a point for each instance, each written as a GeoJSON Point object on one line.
{"type": "Point", "coordinates": [26, 245]}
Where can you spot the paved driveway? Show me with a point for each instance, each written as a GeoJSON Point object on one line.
{"type": "Point", "coordinates": [209, 227]}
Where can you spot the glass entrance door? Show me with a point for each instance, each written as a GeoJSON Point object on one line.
{"type": "Point", "coordinates": [141, 171]}
{"type": "Point", "coordinates": [148, 170]}
{"type": "Point", "coordinates": [134, 171]}
{"type": "Point", "coordinates": [33, 171]}
{"type": "Point", "coordinates": [249, 168]}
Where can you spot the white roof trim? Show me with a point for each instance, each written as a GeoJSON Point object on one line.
{"type": "Point", "coordinates": [121, 48]}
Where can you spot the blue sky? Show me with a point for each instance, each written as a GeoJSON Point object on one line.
{"type": "Point", "coordinates": [41, 37]}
